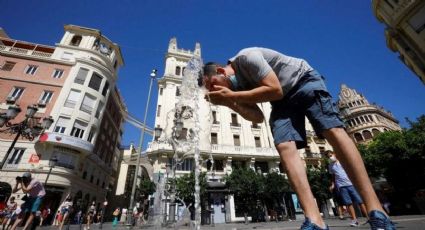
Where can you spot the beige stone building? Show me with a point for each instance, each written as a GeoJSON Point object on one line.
{"type": "Point", "coordinates": [405, 32]}
{"type": "Point", "coordinates": [75, 83]}
{"type": "Point", "coordinates": [364, 120]}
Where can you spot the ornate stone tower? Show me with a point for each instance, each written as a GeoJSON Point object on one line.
{"type": "Point", "coordinates": [364, 120]}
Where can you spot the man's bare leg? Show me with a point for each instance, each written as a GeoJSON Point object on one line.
{"type": "Point", "coordinates": [297, 175]}
{"type": "Point", "coordinates": [347, 153]}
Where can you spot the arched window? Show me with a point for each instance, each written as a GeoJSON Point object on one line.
{"type": "Point", "coordinates": [370, 117]}
{"type": "Point", "coordinates": [76, 40]}
{"type": "Point", "coordinates": [358, 137]}
{"type": "Point", "coordinates": [362, 119]}
{"type": "Point", "coordinates": [178, 70]}
{"type": "Point", "coordinates": [375, 132]}
{"type": "Point", "coordinates": [367, 134]}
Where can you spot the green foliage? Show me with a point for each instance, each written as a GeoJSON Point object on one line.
{"type": "Point", "coordinates": [185, 187]}
{"type": "Point", "coordinates": [320, 182]}
{"type": "Point", "coordinates": [399, 156]}
{"type": "Point", "coordinates": [276, 185]}
{"type": "Point", "coordinates": [247, 187]}
{"type": "Point", "coordinates": [146, 188]}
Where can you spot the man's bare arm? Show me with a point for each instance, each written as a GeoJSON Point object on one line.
{"type": "Point", "coordinates": [250, 112]}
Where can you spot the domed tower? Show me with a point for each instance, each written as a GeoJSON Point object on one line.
{"type": "Point", "coordinates": [362, 119]}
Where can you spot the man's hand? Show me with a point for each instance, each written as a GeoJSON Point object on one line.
{"type": "Point", "coordinates": [220, 95]}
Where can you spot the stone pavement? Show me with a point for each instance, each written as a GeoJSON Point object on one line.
{"type": "Point", "coordinates": [402, 222]}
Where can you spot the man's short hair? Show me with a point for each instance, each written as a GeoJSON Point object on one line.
{"type": "Point", "coordinates": [208, 70]}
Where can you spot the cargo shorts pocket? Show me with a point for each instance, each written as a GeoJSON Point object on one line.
{"type": "Point", "coordinates": [327, 106]}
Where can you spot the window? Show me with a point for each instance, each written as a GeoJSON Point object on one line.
{"type": "Point", "coordinates": [321, 149]}
{"type": "Point", "coordinates": [362, 119]}
{"type": "Point", "coordinates": [375, 132]}
{"type": "Point", "coordinates": [78, 129]}
{"type": "Point", "coordinates": [45, 98]}
{"type": "Point", "coordinates": [255, 125]}
{"type": "Point", "coordinates": [417, 21]}
{"type": "Point", "coordinates": [214, 139]}
{"type": "Point", "coordinates": [187, 165]}
{"type": "Point", "coordinates": [257, 142]}
{"type": "Point", "coordinates": [234, 120]}
{"type": "Point", "coordinates": [158, 111]}
{"type": "Point", "coordinates": [178, 70]}
{"type": "Point", "coordinates": [367, 119]}
{"type": "Point", "coordinates": [358, 137]}
{"type": "Point", "coordinates": [16, 156]}
{"type": "Point", "coordinates": [105, 88]}
{"type": "Point", "coordinates": [178, 91]}
{"type": "Point", "coordinates": [99, 109]}
{"type": "Point", "coordinates": [95, 81]}
{"type": "Point", "coordinates": [57, 73]}
{"type": "Point", "coordinates": [81, 76]}
{"type": "Point", "coordinates": [72, 99]}
{"type": "Point", "coordinates": [15, 94]}
{"type": "Point", "coordinates": [88, 104]}
{"type": "Point", "coordinates": [367, 134]}
{"type": "Point", "coordinates": [214, 115]}
{"type": "Point", "coordinates": [160, 91]}
{"type": "Point", "coordinates": [8, 66]}
{"type": "Point", "coordinates": [236, 140]}
{"type": "Point", "coordinates": [91, 134]}
{"type": "Point", "coordinates": [76, 40]}
{"type": "Point", "coordinates": [370, 117]}
{"type": "Point", "coordinates": [31, 69]}
{"type": "Point", "coordinates": [61, 125]}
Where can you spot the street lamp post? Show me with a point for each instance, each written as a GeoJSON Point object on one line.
{"type": "Point", "coordinates": [52, 164]}
{"type": "Point", "coordinates": [29, 128]}
{"type": "Point", "coordinates": [139, 150]}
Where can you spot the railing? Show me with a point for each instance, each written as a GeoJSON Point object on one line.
{"type": "Point", "coordinates": [215, 148]}
{"type": "Point", "coordinates": [25, 51]}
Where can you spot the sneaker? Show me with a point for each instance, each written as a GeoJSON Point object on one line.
{"type": "Point", "coordinates": [354, 223]}
{"type": "Point", "coordinates": [379, 221]}
{"type": "Point", "coordinates": [307, 225]}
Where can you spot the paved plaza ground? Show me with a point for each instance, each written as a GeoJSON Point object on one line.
{"type": "Point", "coordinates": [402, 222]}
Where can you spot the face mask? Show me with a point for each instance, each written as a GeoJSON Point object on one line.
{"type": "Point", "coordinates": [333, 158]}
{"type": "Point", "coordinates": [233, 81]}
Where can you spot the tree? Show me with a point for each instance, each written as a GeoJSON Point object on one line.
{"type": "Point", "coordinates": [185, 187]}
{"type": "Point", "coordinates": [146, 188]}
{"type": "Point", "coordinates": [320, 182]}
{"type": "Point", "coordinates": [399, 156]}
{"type": "Point", "coordinates": [276, 186]}
{"type": "Point", "coordinates": [247, 186]}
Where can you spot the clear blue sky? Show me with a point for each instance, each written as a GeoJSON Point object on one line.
{"type": "Point", "coordinates": [341, 39]}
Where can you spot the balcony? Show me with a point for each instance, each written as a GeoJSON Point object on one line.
{"type": "Point", "coordinates": [25, 49]}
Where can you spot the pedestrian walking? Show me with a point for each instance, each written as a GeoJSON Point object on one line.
{"type": "Point", "coordinates": [295, 90]}
{"type": "Point", "coordinates": [115, 215]}
{"type": "Point", "coordinates": [90, 215]}
{"type": "Point", "coordinates": [345, 189]}
{"type": "Point", "coordinates": [66, 209]}
{"type": "Point", "coordinates": [35, 192]}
